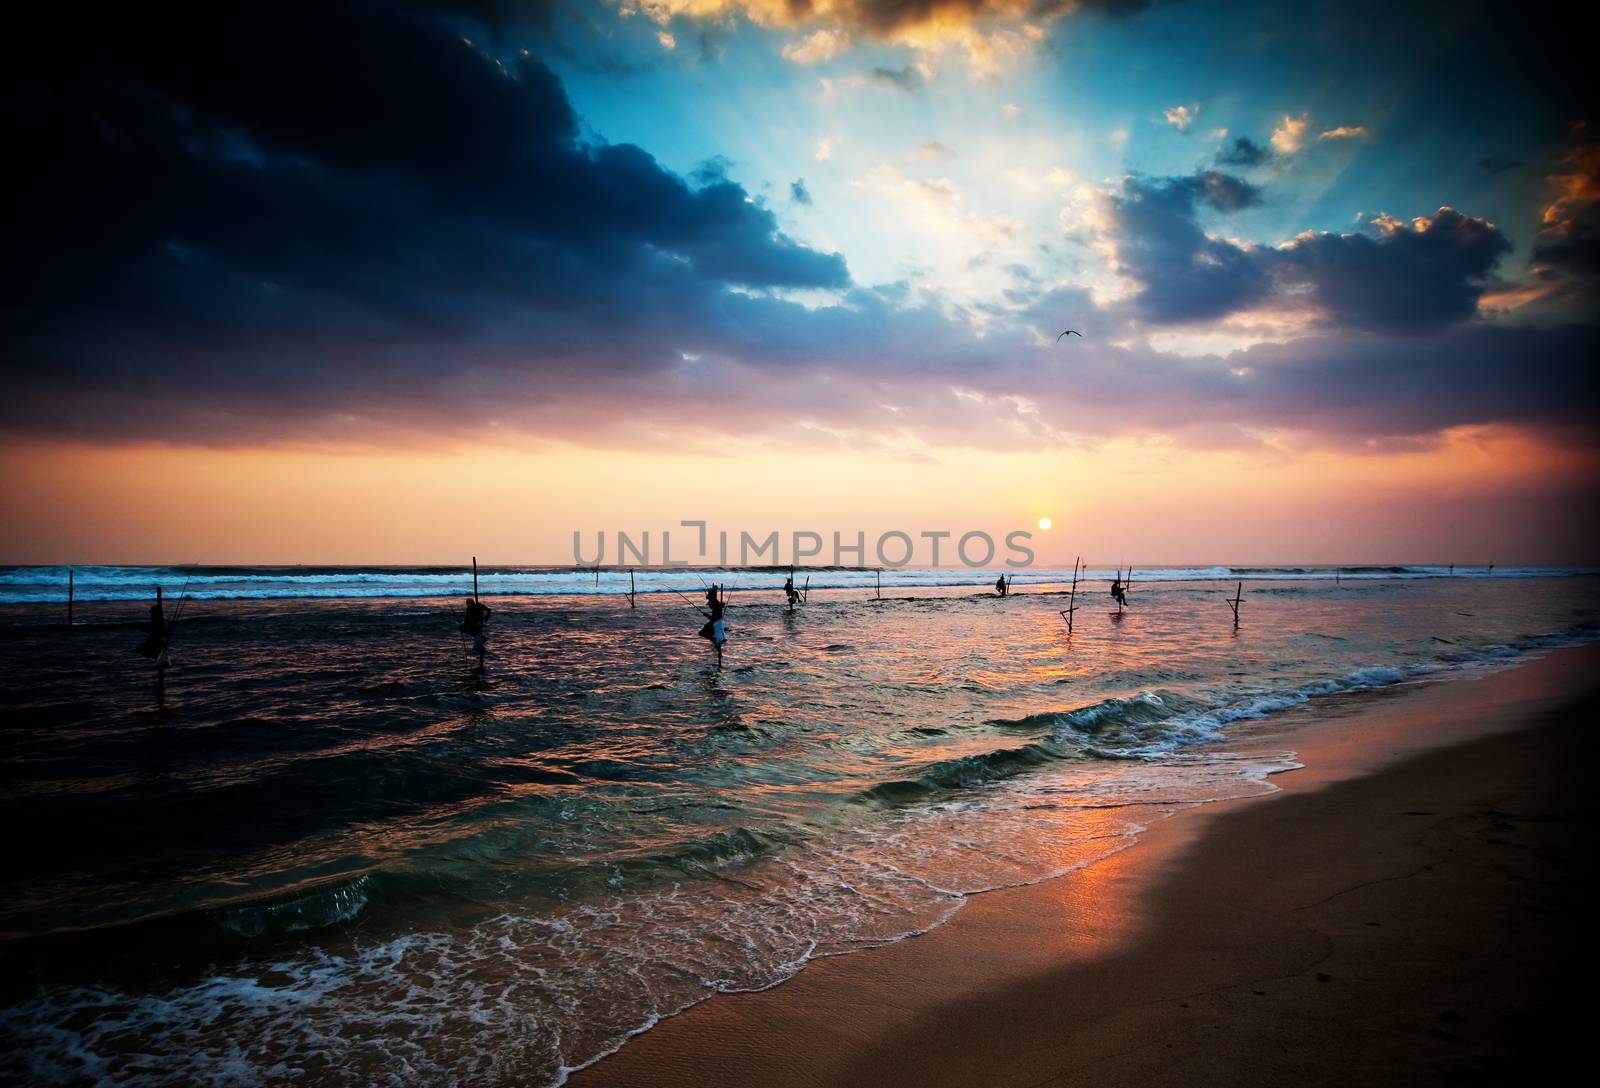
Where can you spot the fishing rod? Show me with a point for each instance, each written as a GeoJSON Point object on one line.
{"type": "Point", "coordinates": [164, 637]}
{"type": "Point", "coordinates": [691, 603]}
{"type": "Point", "coordinates": [183, 594]}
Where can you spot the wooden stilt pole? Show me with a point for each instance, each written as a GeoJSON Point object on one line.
{"type": "Point", "coordinates": [1238, 596]}
{"type": "Point", "coordinates": [1072, 597]}
{"type": "Point", "coordinates": [880, 583]}
{"type": "Point", "coordinates": [480, 639]}
{"type": "Point", "coordinates": [161, 633]}
{"type": "Point", "coordinates": [632, 591]}
{"type": "Point", "coordinates": [69, 597]}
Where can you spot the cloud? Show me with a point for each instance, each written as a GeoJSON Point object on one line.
{"type": "Point", "coordinates": [930, 152]}
{"type": "Point", "coordinates": [376, 230]}
{"type": "Point", "coordinates": [934, 209]}
{"type": "Point", "coordinates": [1344, 132]}
{"type": "Point", "coordinates": [817, 46]}
{"type": "Point", "coordinates": [1497, 164]}
{"type": "Point", "coordinates": [1567, 251]}
{"type": "Point", "coordinates": [1244, 152]}
{"type": "Point", "coordinates": [1287, 138]}
{"type": "Point", "coordinates": [1183, 275]}
{"type": "Point", "coordinates": [799, 193]}
{"type": "Point", "coordinates": [824, 150]}
{"type": "Point", "coordinates": [1181, 117]}
{"type": "Point", "coordinates": [1011, 110]}
{"type": "Point", "coordinates": [1403, 278]}
{"type": "Point", "coordinates": [906, 79]}
{"type": "Point", "coordinates": [285, 222]}
{"type": "Point", "coordinates": [1395, 278]}
{"type": "Point", "coordinates": [988, 32]}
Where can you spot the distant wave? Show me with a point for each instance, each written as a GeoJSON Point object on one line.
{"type": "Point", "coordinates": [48, 584]}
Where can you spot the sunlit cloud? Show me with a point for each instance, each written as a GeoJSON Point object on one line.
{"type": "Point", "coordinates": [934, 204]}
{"type": "Point", "coordinates": [1344, 132]}
{"type": "Point", "coordinates": [1575, 183]}
{"type": "Point", "coordinates": [1289, 134]}
{"type": "Point", "coordinates": [1181, 117]}
{"type": "Point", "coordinates": [816, 47]}
{"type": "Point", "coordinates": [990, 35]}
{"type": "Point", "coordinates": [1507, 298]}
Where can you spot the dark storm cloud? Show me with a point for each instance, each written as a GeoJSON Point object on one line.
{"type": "Point", "coordinates": [489, 12]}
{"type": "Point", "coordinates": [1243, 152]}
{"type": "Point", "coordinates": [302, 203]}
{"type": "Point", "coordinates": [1405, 278]}
{"type": "Point", "coordinates": [1358, 390]}
{"type": "Point", "coordinates": [799, 193]}
{"type": "Point", "coordinates": [1397, 278]}
{"type": "Point", "coordinates": [1392, 385]}
{"type": "Point", "coordinates": [1183, 274]}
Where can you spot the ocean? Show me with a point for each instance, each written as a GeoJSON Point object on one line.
{"type": "Point", "coordinates": [331, 846]}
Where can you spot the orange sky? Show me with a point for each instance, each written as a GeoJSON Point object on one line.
{"type": "Point", "coordinates": [1478, 496]}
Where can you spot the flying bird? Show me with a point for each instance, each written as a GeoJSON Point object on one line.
{"type": "Point", "coordinates": [1070, 332]}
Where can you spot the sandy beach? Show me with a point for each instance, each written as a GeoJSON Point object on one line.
{"type": "Point", "coordinates": [1404, 911]}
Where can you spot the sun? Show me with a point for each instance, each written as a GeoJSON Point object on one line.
{"type": "Point", "coordinates": [1044, 523]}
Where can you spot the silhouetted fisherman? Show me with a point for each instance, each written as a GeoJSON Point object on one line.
{"type": "Point", "coordinates": [473, 621]}
{"type": "Point", "coordinates": [160, 633]}
{"type": "Point", "coordinates": [1119, 592]}
{"type": "Point", "coordinates": [790, 592]}
{"type": "Point", "coordinates": [1000, 586]}
{"type": "Point", "coordinates": [713, 628]}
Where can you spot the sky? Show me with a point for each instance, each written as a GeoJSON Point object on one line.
{"type": "Point", "coordinates": [405, 282]}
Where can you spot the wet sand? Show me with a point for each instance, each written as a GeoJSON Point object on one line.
{"type": "Point", "coordinates": [1405, 911]}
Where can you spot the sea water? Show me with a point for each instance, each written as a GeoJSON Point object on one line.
{"type": "Point", "coordinates": [331, 845]}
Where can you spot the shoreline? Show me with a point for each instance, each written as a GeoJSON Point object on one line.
{"type": "Point", "coordinates": [1216, 936]}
